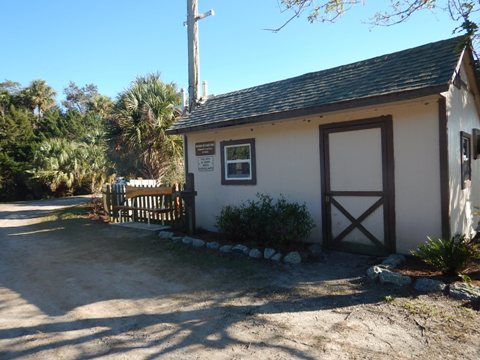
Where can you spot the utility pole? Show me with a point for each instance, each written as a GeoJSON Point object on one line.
{"type": "Point", "coordinates": [193, 58]}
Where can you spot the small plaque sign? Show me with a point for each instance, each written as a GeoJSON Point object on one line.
{"type": "Point", "coordinates": [205, 148]}
{"type": "Point", "coordinates": [205, 163]}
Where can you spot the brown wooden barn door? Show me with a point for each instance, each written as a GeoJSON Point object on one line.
{"type": "Point", "coordinates": [358, 186]}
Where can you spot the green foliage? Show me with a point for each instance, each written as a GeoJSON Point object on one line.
{"type": "Point", "coordinates": [68, 166]}
{"type": "Point", "coordinates": [72, 125]}
{"type": "Point", "coordinates": [39, 97]}
{"type": "Point", "coordinates": [77, 98]}
{"type": "Point", "coordinates": [465, 278]}
{"type": "Point", "coordinates": [45, 150]}
{"type": "Point", "coordinates": [86, 99]}
{"type": "Point", "coordinates": [448, 255]}
{"type": "Point", "coordinates": [265, 222]}
{"type": "Point", "coordinates": [142, 114]}
{"type": "Point", "coordinates": [9, 91]}
{"type": "Point", "coordinates": [17, 142]}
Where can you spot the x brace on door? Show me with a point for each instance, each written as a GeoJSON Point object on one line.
{"type": "Point", "coordinates": [357, 222]}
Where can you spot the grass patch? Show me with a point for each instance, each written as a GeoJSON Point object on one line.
{"type": "Point", "coordinates": [320, 340]}
{"type": "Point", "coordinates": [74, 212]}
{"type": "Point", "coordinates": [420, 308]}
{"type": "Point", "coordinates": [70, 213]}
{"type": "Point", "coordinates": [389, 298]}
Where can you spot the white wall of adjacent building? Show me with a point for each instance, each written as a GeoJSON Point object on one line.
{"type": "Point", "coordinates": [462, 116]}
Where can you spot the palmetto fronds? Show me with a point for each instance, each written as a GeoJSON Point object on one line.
{"type": "Point", "coordinates": [60, 162]}
{"type": "Point", "coordinates": [39, 96]}
{"type": "Point", "coordinates": [143, 113]}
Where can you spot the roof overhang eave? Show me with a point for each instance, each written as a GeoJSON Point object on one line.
{"type": "Point", "coordinates": [326, 108]}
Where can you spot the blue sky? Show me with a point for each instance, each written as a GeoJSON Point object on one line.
{"type": "Point", "coordinates": [110, 42]}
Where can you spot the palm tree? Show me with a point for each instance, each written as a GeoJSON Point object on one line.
{"type": "Point", "coordinates": [70, 165]}
{"type": "Point", "coordinates": [101, 105]}
{"type": "Point", "coordinates": [143, 113]}
{"type": "Point", "coordinates": [39, 96]}
{"type": "Point", "coordinates": [54, 163]}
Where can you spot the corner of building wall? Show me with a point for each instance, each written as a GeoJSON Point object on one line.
{"type": "Point", "coordinates": [444, 167]}
{"type": "Point", "coordinates": [185, 154]}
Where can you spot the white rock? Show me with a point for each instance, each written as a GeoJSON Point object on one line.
{"type": "Point", "coordinates": [241, 249]}
{"type": "Point", "coordinates": [198, 243]}
{"type": "Point", "coordinates": [268, 253]}
{"type": "Point", "coordinates": [293, 258]}
{"type": "Point", "coordinates": [213, 245]}
{"type": "Point", "coordinates": [464, 291]}
{"type": "Point", "coordinates": [255, 253]}
{"type": "Point", "coordinates": [427, 285]}
{"type": "Point", "coordinates": [389, 277]}
{"type": "Point", "coordinates": [225, 248]}
{"type": "Point", "coordinates": [277, 257]}
{"type": "Point", "coordinates": [187, 240]}
{"type": "Point", "coordinates": [374, 271]}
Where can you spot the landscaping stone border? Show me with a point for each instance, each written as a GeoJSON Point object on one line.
{"type": "Point", "coordinates": [383, 273]}
{"type": "Point", "coordinates": [291, 258]}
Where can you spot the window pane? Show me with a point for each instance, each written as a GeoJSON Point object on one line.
{"type": "Point", "coordinates": [466, 167]}
{"type": "Point", "coordinates": [465, 159]}
{"type": "Point", "coordinates": [241, 152]}
{"type": "Point", "coordinates": [465, 149]}
{"type": "Point", "coordinates": [238, 171]}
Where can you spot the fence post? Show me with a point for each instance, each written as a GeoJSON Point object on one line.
{"type": "Point", "coordinates": [189, 194]}
{"type": "Point", "coordinates": [107, 201]}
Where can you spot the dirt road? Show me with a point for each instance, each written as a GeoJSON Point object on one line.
{"type": "Point", "coordinates": [72, 288]}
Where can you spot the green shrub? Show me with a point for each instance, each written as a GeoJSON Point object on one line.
{"type": "Point", "coordinates": [448, 255]}
{"type": "Point", "coordinates": [266, 223]}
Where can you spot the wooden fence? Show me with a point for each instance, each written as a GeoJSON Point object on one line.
{"type": "Point", "coordinates": [175, 206]}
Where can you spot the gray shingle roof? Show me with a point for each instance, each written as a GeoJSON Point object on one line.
{"type": "Point", "coordinates": [419, 71]}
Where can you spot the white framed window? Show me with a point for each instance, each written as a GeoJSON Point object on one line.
{"type": "Point", "coordinates": [238, 162]}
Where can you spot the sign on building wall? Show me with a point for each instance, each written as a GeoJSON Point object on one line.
{"type": "Point", "coordinates": [205, 148]}
{"type": "Point", "coordinates": [205, 163]}
{"type": "Point", "coordinates": [204, 152]}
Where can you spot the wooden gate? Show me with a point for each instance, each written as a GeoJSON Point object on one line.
{"type": "Point", "coordinates": [358, 185]}
{"type": "Point", "coordinates": [171, 205]}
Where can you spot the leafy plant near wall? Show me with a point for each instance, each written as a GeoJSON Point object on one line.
{"type": "Point", "coordinates": [449, 256]}
{"type": "Point", "coordinates": [265, 222]}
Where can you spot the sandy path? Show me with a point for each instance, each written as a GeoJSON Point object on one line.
{"type": "Point", "coordinates": [76, 289]}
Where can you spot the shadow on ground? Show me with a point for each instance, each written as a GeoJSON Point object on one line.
{"type": "Point", "coordinates": [40, 208]}
{"type": "Point", "coordinates": [61, 266]}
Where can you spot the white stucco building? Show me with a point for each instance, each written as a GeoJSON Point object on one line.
{"type": "Point", "coordinates": [383, 151]}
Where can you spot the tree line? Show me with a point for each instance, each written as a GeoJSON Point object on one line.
{"type": "Point", "coordinates": [49, 148]}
